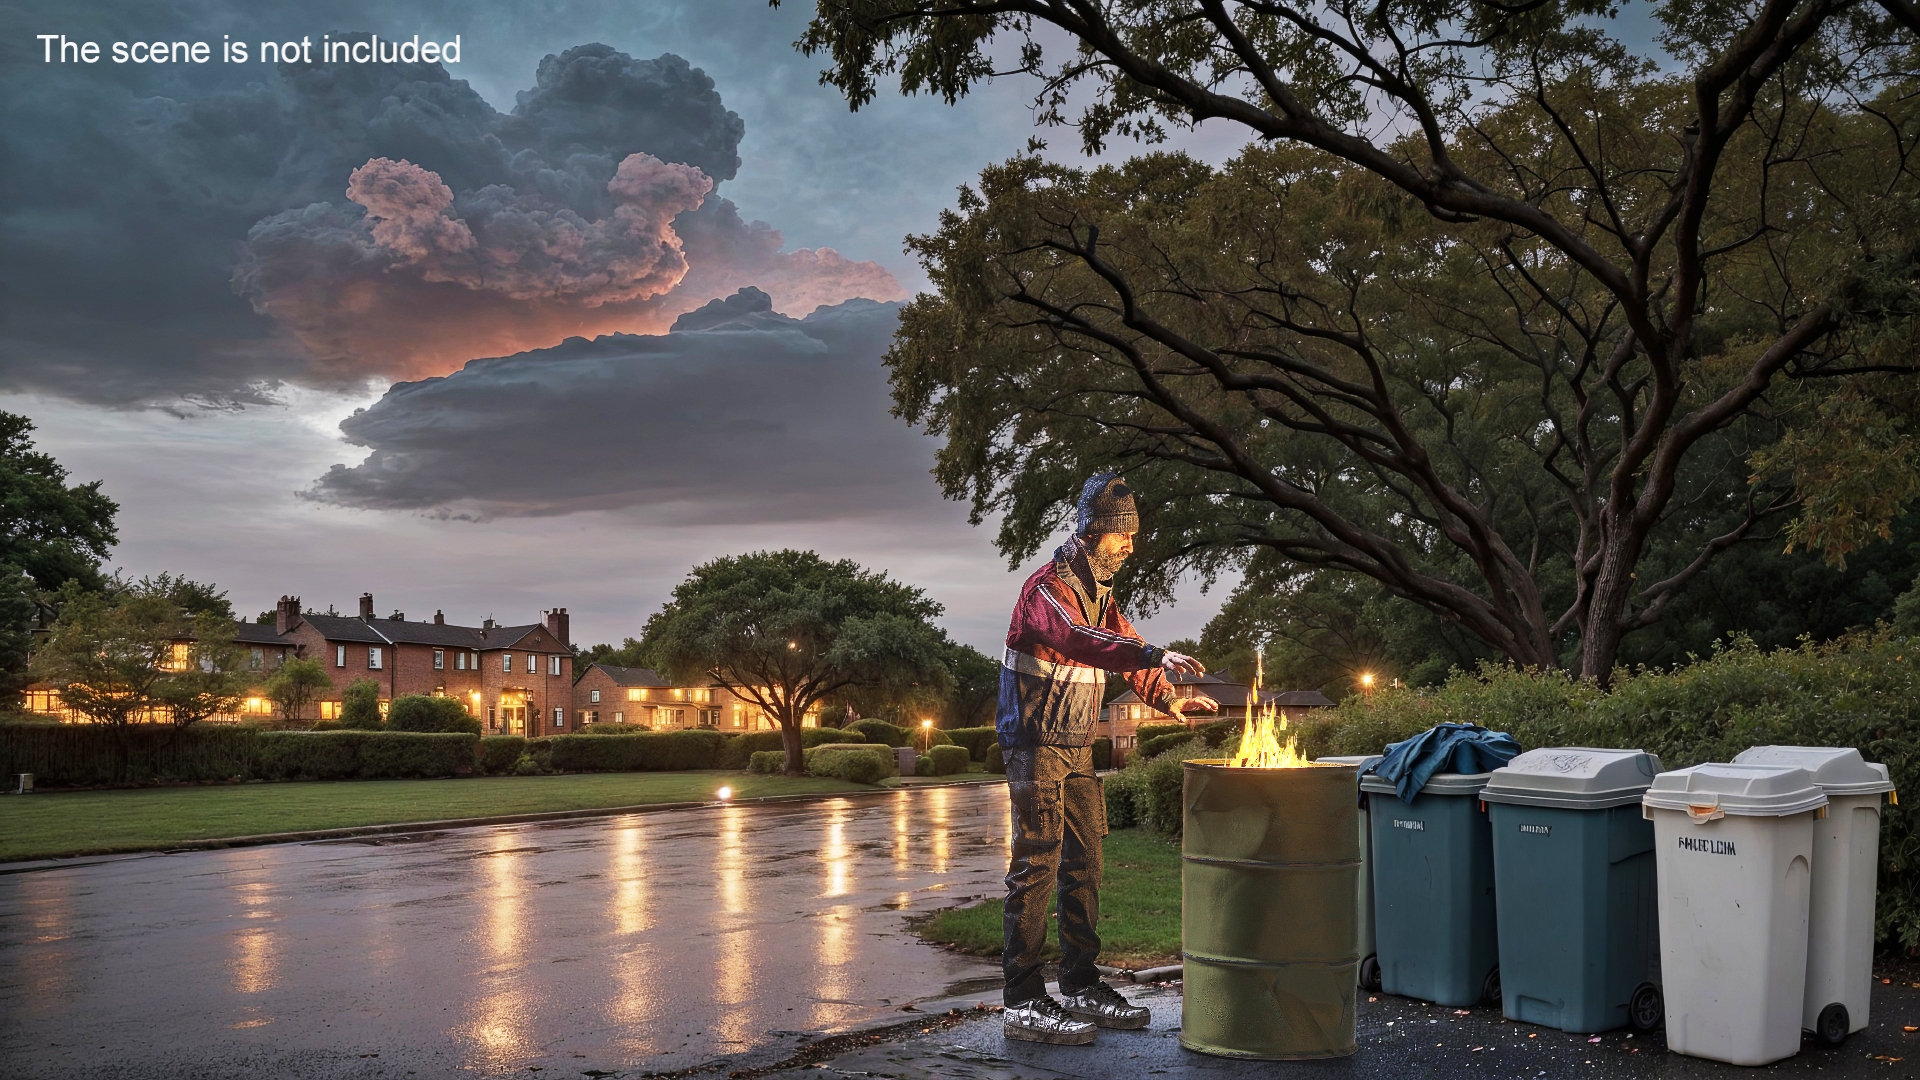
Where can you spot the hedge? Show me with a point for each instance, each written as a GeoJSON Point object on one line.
{"type": "Point", "coordinates": [362, 755]}
{"type": "Point", "coordinates": [975, 739]}
{"type": "Point", "coordinates": [74, 755]}
{"type": "Point", "coordinates": [739, 749]}
{"type": "Point", "coordinates": [500, 753]}
{"type": "Point", "coordinates": [653, 751]}
{"type": "Point", "coordinates": [1215, 733]}
{"type": "Point", "coordinates": [879, 731]}
{"type": "Point", "coordinates": [1148, 731]}
{"type": "Point", "coordinates": [947, 760]}
{"type": "Point", "coordinates": [996, 759]}
{"type": "Point", "coordinates": [424, 712]}
{"type": "Point", "coordinates": [862, 763]}
{"type": "Point", "coordinates": [768, 762]}
{"type": "Point", "coordinates": [611, 728]}
{"type": "Point", "coordinates": [1103, 753]}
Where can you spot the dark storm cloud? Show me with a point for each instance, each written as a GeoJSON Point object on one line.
{"type": "Point", "coordinates": [194, 236]}
{"type": "Point", "coordinates": [738, 414]}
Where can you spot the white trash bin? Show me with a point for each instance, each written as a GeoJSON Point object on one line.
{"type": "Point", "coordinates": [1846, 863]}
{"type": "Point", "coordinates": [1733, 845]}
{"type": "Point", "coordinates": [1369, 969]}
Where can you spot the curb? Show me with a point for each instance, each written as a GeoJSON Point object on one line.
{"type": "Point", "coordinates": [310, 835]}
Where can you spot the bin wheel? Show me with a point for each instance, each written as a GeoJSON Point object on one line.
{"type": "Point", "coordinates": [1834, 1024]}
{"type": "Point", "coordinates": [1490, 989]}
{"type": "Point", "coordinates": [1647, 1007]}
{"type": "Point", "coordinates": [1370, 973]}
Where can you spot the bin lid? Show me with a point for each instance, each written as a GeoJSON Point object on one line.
{"type": "Point", "coordinates": [1741, 790]}
{"type": "Point", "coordinates": [1573, 777]}
{"type": "Point", "coordinates": [1362, 760]}
{"type": "Point", "coordinates": [1839, 770]}
{"type": "Point", "coordinates": [1443, 783]}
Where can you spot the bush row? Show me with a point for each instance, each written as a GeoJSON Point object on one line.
{"type": "Point", "coordinates": [860, 763]}
{"type": "Point", "coordinates": [739, 749]}
{"type": "Point", "coordinates": [73, 755]}
{"type": "Point", "coordinates": [975, 739]}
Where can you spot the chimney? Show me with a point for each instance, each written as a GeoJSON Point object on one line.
{"type": "Point", "coordinates": [488, 624]}
{"type": "Point", "coordinates": [366, 606]}
{"type": "Point", "coordinates": [557, 626]}
{"type": "Point", "coordinates": [397, 616]}
{"type": "Point", "coordinates": [287, 615]}
{"type": "Point", "coordinates": [439, 618]}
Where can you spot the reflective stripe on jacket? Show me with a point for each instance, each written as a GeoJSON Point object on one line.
{"type": "Point", "coordinates": [1051, 679]}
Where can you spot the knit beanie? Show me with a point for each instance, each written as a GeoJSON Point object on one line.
{"type": "Point", "coordinates": [1106, 506]}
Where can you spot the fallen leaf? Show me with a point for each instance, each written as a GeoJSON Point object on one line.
{"type": "Point", "coordinates": [1535, 1035]}
{"type": "Point", "coordinates": [1596, 1038]}
{"type": "Point", "coordinates": [1463, 1012]}
{"type": "Point", "coordinates": [1910, 1027]}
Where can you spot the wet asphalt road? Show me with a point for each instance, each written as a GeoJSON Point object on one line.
{"type": "Point", "coordinates": [653, 942]}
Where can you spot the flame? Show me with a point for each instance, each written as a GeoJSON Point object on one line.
{"type": "Point", "coordinates": [1260, 746]}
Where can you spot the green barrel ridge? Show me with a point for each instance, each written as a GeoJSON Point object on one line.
{"type": "Point", "coordinates": [1270, 864]}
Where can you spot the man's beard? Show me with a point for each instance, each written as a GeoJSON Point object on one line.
{"type": "Point", "coordinates": [1104, 566]}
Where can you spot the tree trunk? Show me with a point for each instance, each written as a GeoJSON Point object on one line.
{"type": "Point", "coordinates": [1604, 624]}
{"type": "Point", "coordinates": [790, 739]}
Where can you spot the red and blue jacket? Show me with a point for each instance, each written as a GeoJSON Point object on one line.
{"type": "Point", "coordinates": [1063, 636]}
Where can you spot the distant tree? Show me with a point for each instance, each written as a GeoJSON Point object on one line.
{"type": "Point", "coordinates": [976, 687]}
{"type": "Point", "coordinates": [212, 681]}
{"type": "Point", "coordinates": [295, 685]}
{"type": "Point", "coordinates": [109, 650]}
{"type": "Point", "coordinates": [1906, 611]}
{"type": "Point", "coordinates": [629, 654]}
{"type": "Point", "coordinates": [17, 610]}
{"type": "Point", "coordinates": [360, 705]}
{"type": "Point", "coordinates": [787, 629]}
{"type": "Point", "coordinates": [424, 712]}
{"type": "Point", "coordinates": [190, 596]}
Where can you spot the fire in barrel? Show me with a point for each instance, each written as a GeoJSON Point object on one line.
{"type": "Point", "coordinates": [1271, 861]}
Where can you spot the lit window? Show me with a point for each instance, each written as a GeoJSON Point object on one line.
{"type": "Point", "coordinates": [594, 696]}
{"type": "Point", "coordinates": [635, 695]}
{"type": "Point", "coordinates": [619, 718]}
{"type": "Point", "coordinates": [506, 662]}
{"type": "Point", "coordinates": [553, 665]}
{"type": "Point", "coordinates": [373, 658]}
{"type": "Point", "coordinates": [439, 659]}
{"type": "Point", "coordinates": [329, 710]}
{"type": "Point", "coordinates": [383, 708]}
{"type": "Point", "coordinates": [339, 656]}
{"type": "Point", "coordinates": [533, 664]}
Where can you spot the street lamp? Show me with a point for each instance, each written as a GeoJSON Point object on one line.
{"type": "Point", "coordinates": [926, 737]}
{"type": "Point", "coordinates": [1366, 682]}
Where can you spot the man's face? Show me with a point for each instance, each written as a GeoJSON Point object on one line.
{"type": "Point", "coordinates": [1107, 551]}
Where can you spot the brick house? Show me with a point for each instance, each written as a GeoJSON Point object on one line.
{"type": "Point", "coordinates": [608, 694]}
{"type": "Point", "coordinates": [1122, 717]}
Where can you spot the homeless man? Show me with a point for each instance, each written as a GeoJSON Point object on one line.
{"type": "Point", "coordinates": [1066, 630]}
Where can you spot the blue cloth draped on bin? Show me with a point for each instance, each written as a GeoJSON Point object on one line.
{"type": "Point", "coordinates": [1443, 748]}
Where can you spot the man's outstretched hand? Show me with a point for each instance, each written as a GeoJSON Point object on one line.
{"type": "Point", "coordinates": [1198, 703]}
{"type": "Point", "coordinates": [1174, 663]}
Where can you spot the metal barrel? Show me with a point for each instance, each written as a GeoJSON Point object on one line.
{"type": "Point", "coordinates": [1270, 931]}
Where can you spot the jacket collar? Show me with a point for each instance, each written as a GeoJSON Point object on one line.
{"type": "Point", "coordinates": [1071, 566]}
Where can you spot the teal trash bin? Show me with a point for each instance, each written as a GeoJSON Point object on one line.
{"type": "Point", "coordinates": [1434, 924]}
{"type": "Point", "coordinates": [1573, 872]}
{"type": "Point", "coordinates": [1369, 970]}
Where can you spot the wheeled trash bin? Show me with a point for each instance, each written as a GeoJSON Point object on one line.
{"type": "Point", "coordinates": [1734, 849]}
{"type": "Point", "coordinates": [1574, 888]}
{"type": "Point", "coordinates": [1433, 890]}
{"type": "Point", "coordinates": [1369, 963]}
{"type": "Point", "coordinates": [1846, 864]}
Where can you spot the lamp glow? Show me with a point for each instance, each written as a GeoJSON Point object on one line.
{"type": "Point", "coordinates": [724, 793]}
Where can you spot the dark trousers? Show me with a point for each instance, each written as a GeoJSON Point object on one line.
{"type": "Point", "coordinates": [1059, 816]}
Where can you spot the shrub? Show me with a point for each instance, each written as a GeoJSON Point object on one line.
{"type": "Point", "coordinates": [975, 739]}
{"type": "Point", "coordinates": [349, 754]}
{"type": "Point", "coordinates": [739, 749]}
{"type": "Point", "coordinates": [768, 762]}
{"type": "Point", "coordinates": [858, 763]}
{"type": "Point", "coordinates": [1148, 731]}
{"type": "Point", "coordinates": [996, 759]}
{"type": "Point", "coordinates": [610, 728]}
{"type": "Point", "coordinates": [1120, 792]}
{"type": "Point", "coordinates": [360, 705]}
{"type": "Point", "coordinates": [75, 755]}
{"type": "Point", "coordinates": [946, 760]}
{"type": "Point", "coordinates": [928, 738]}
{"type": "Point", "coordinates": [879, 731]}
{"type": "Point", "coordinates": [526, 766]}
{"type": "Point", "coordinates": [652, 751]}
{"type": "Point", "coordinates": [922, 765]}
{"type": "Point", "coordinates": [1103, 753]}
{"type": "Point", "coordinates": [327, 725]}
{"type": "Point", "coordinates": [424, 712]}
{"type": "Point", "coordinates": [410, 754]}
{"type": "Point", "coordinates": [1216, 735]}
{"type": "Point", "coordinates": [499, 753]}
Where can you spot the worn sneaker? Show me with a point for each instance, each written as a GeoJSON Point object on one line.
{"type": "Point", "coordinates": [1103, 1005]}
{"type": "Point", "coordinates": [1043, 1020]}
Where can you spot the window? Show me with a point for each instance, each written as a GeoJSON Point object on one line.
{"type": "Point", "coordinates": [491, 722]}
{"type": "Point", "coordinates": [553, 665]}
{"type": "Point", "coordinates": [373, 658]}
{"type": "Point", "coordinates": [594, 696]}
{"type": "Point", "coordinates": [339, 656]}
{"type": "Point", "coordinates": [460, 662]}
{"type": "Point", "coordinates": [559, 718]}
{"type": "Point", "coordinates": [619, 718]}
{"type": "Point", "coordinates": [636, 695]}
{"type": "Point", "coordinates": [533, 664]}
{"type": "Point", "coordinates": [439, 659]}
{"type": "Point", "coordinates": [506, 662]}
{"type": "Point", "coordinates": [258, 661]}
{"type": "Point", "coordinates": [329, 710]}
{"type": "Point", "coordinates": [593, 716]}
{"type": "Point", "coordinates": [474, 662]}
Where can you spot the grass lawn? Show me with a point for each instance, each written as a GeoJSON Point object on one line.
{"type": "Point", "coordinates": [145, 819]}
{"type": "Point", "coordinates": [1139, 908]}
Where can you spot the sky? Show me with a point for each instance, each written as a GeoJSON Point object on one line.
{"type": "Point", "coordinates": [544, 327]}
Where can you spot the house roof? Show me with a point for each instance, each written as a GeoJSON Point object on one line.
{"type": "Point", "coordinates": [253, 633]}
{"type": "Point", "coordinates": [631, 676]}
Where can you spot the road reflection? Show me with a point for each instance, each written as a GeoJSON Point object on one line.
{"type": "Point", "coordinates": [499, 1015]}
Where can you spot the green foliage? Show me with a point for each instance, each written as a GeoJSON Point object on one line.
{"type": "Point", "coordinates": [360, 705]}
{"type": "Point", "coordinates": [528, 765]}
{"type": "Point", "coordinates": [629, 654]}
{"type": "Point", "coordinates": [862, 763]}
{"type": "Point", "coordinates": [996, 759]}
{"type": "Point", "coordinates": [768, 762]}
{"type": "Point", "coordinates": [1906, 611]}
{"type": "Point", "coordinates": [655, 751]}
{"type": "Point", "coordinates": [296, 684]}
{"type": "Point", "coordinates": [924, 739]}
{"type": "Point", "coordinates": [17, 611]}
{"type": "Point", "coordinates": [787, 629]}
{"type": "Point", "coordinates": [739, 749]}
{"type": "Point", "coordinates": [879, 731]}
{"type": "Point", "coordinates": [71, 755]}
{"type": "Point", "coordinates": [346, 755]}
{"type": "Point", "coordinates": [49, 531]}
{"type": "Point", "coordinates": [1213, 735]}
{"type": "Point", "coordinates": [1103, 753]}
{"type": "Point", "coordinates": [976, 687]}
{"type": "Point", "coordinates": [424, 712]}
{"type": "Point", "coordinates": [612, 729]}
{"type": "Point", "coordinates": [922, 765]}
{"type": "Point", "coordinates": [975, 739]}
{"type": "Point", "coordinates": [499, 753]}
{"type": "Point", "coordinates": [1149, 731]}
{"type": "Point", "coordinates": [944, 760]}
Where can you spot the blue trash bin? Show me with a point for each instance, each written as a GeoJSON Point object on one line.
{"type": "Point", "coordinates": [1573, 872]}
{"type": "Point", "coordinates": [1369, 970]}
{"type": "Point", "coordinates": [1433, 901]}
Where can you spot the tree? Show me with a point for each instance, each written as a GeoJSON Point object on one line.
{"type": "Point", "coordinates": [360, 705]}
{"type": "Point", "coordinates": [976, 687]}
{"type": "Point", "coordinates": [211, 681]}
{"type": "Point", "coordinates": [424, 712]}
{"type": "Point", "coordinates": [787, 629]}
{"type": "Point", "coordinates": [17, 610]}
{"type": "Point", "coordinates": [109, 650]}
{"type": "Point", "coordinates": [295, 685]}
{"type": "Point", "coordinates": [627, 655]}
{"type": "Point", "coordinates": [1492, 315]}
